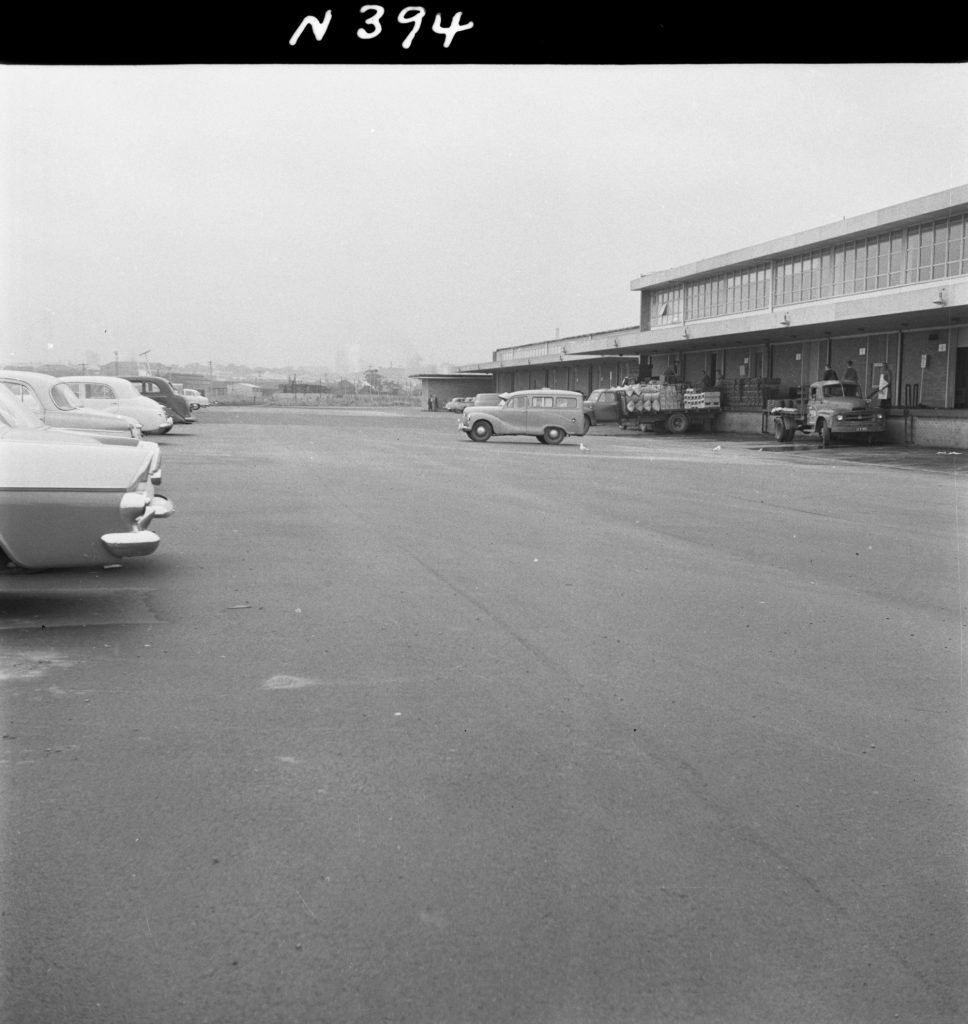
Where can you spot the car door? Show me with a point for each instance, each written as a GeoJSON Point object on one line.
{"type": "Point", "coordinates": [513, 417]}
{"type": "Point", "coordinates": [100, 395]}
{"type": "Point", "coordinates": [540, 413]}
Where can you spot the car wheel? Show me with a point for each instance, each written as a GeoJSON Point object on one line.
{"type": "Point", "coordinates": [553, 435]}
{"type": "Point", "coordinates": [781, 431]}
{"type": "Point", "coordinates": [481, 431]}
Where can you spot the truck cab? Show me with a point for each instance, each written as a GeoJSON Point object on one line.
{"type": "Point", "coordinates": [605, 405]}
{"type": "Point", "coordinates": [830, 408]}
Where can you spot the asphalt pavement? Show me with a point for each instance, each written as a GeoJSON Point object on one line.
{"type": "Point", "coordinates": [396, 726]}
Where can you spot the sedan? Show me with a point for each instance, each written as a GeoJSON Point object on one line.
{"type": "Point", "coordinates": [117, 395]}
{"type": "Point", "coordinates": [488, 398]}
{"type": "Point", "coordinates": [195, 399]}
{"type": "Point", "coordinates": [54, 402]}
{"type": "Point", "coordinates": [458, 404]}
{"type": "Point", "coordinates": [160, 390]}
{"type": "Point", "coordinates": [70, 500]}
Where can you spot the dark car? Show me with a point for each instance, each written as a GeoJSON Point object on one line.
{"type": "Point", "coordinates": [164, 394]}
{"type": "Point", "coordinates": [488, 398]}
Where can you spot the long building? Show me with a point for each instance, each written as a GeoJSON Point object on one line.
{"type": "Point", "coordinates": [883, 289]}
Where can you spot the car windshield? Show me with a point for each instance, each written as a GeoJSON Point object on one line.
{"type": "Point", "coordinates": [842, 389]}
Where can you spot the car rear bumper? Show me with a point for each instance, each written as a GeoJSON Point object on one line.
{"type": "Point", "coordinates": [140, 512]}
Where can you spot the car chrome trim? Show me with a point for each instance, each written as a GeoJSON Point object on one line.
{"type": "Point", "coordinates": [128, 545]}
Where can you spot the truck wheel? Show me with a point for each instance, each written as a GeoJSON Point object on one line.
{"type": "Point", "coordinates": [677, 423]}
{"type": "Point", "coordinates": [825, 435]}
{"type": "Point", "coordinates": [553, 435]}
{"type": "Point", "coordinates": [481, 431]}
{"type": "Point", "coordinates": [779, 430]}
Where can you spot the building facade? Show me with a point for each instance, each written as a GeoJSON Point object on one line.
{"type": "Point", "coordinates": [884, 290]}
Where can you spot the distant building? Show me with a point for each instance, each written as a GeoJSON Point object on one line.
{"type": "Point", "coordinates": [240, 392]}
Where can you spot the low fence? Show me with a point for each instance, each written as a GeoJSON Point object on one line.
{"type": "Point", "coordinates": [324, 399]}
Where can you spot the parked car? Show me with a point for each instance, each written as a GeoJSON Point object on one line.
{"type": "Point", "coordinates": [69, 499]}
{"type": "Point", "coordinates": [160, 390]}
{"type": "Point", "coordinates": [115, 394]}
{"type": "Point", "coordinates": [54, 403]}
{"type": "Point", "coordinates": [488, 398]}
{"type": "Point", "coordinates": [458, 404]}
{"type": "Point", "coordinates": [195, 399]}
{"type": "Point", "coordinates": [27, 418]}
{"type": "Point", "coordinates": [545, 413]}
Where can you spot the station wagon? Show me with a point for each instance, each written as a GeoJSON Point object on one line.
{"type": "Point", "coordinates": [545, 413]}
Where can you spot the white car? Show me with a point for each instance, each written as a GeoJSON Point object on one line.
{"type": "Point", "coordinates": [195, 399]}
{"type": "Point", "coordinates": [117, 395]}
{"type": "Point", "coordinates": [54, 402]}
{"type": "Point", "coordinates": [68, 499]}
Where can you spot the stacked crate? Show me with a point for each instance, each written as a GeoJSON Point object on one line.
{"type": "Point", "coordinates": [693, 399]}
{"type": "Point", "coordinates": [749, 392]}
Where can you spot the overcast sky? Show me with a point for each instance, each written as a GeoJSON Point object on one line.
{"type": "Point", "coordinates": [356, 216]}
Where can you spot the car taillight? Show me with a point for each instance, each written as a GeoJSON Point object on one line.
{"type": "Point", "coordinates": [133, 505]}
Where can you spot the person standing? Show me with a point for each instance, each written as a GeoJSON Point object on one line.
{"type": "Point", "coordinates": [830, 373]}
{"type": "Point", "coordinates": [850, 373]}
{"type": "Point", "coordinates": [884, 386]}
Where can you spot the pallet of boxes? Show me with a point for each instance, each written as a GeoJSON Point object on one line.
{"type": "Point", "coordinates": [669, 405]}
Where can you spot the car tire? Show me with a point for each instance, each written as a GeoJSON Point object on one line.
{"type": "Point", "coordinates": [780, 431]}
{"type": "Point", "coordinates": [554, 435]}
{"type": "Point", "coordinates": [481, 431]}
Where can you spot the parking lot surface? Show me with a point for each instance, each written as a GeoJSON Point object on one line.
{"type": "Point", "coordinates": [396, 726]}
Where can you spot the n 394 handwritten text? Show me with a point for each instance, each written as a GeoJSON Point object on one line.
{"type": "Point", "coordinates": [372, 18]}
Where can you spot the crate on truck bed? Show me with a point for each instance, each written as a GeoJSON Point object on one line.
{"type": "Point", "coordinates": [656, 405]}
